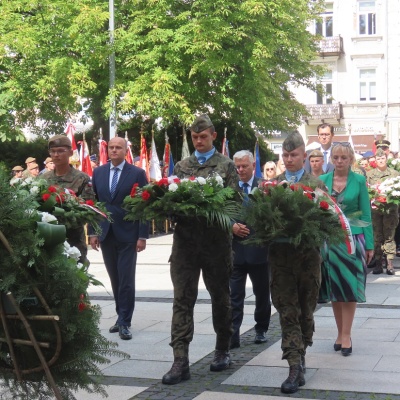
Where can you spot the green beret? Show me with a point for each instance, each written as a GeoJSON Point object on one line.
{"type": "Point", "coordinates": [380, 153]}
{"type": "Point", "coordinates": [59, 141]}
{"type": "Point", "coordinates": [382, 143]}
{"type": "Point", "coordinates": [315, 153]}
{"type": "Point", "coordinates": [201, 123]}
{"type": "Point", "coordinates": [293, 141]}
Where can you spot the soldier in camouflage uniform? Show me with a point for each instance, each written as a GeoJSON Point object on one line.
{"type": "Point", "coordinates": [295, 276]}
{"type": "Point", "coordinates": [385, 218]}
{"type": "Point", "coordinates": [67, 177]}
{"type": "Point", "coordinates": [198, 247]}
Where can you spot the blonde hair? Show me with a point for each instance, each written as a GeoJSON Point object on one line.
{"type": "Point", "coordinates": [269, 164]}
{"type": "Point", "coordinates": [343, 148]}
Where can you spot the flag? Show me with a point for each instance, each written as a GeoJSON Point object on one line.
{"type": "Point", "coordinates": [155, 170]}
{"type": "Point", "coordinates": [70, 132]}
{"type": "Point", "coordinates": [168, 168]}
{"type": "Point", "coordinates": [144, 159]}
{"type": "Point", "coordinates": [103, 155]}
{"type": "Point", "coordinates": [374, 145]}
{"type": "Point", "coordinates": [185, 146]}
{"type": "Point", "coordinates": [171, 165]}
{"type": "Point", "coordinates": [128, 155]}
{"type": "Point", "coordinates": [225, 147]}
{"type": "Point", "coordinates": [84, 158]}
{"type": "Point", "coordinates": [258, 172]}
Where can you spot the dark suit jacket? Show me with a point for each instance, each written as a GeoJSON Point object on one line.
{"type": "Point", "coordinates": [124, 231]}
{"type": "Point", "coordinates": [307, 166]}
{"type": "Point", "coordinates": [245, 254]}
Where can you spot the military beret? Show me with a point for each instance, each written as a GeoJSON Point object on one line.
{"type": "Point", "coordinates": [29, 160]}
{"type": "Point", "coordinates": [201, 123]}
{"type": "Point", "coordinates": [380, 152]}
{"type": "Point", "coordinates": [17, 168]}
{"type": "Point", "coordinates": [59, 141]}
{"type": "Point", "coordinates": [47, 160]}
{"type": "Point", "coordinates": [315, 153]}
{"type": "Point", "coordinates": [382, 143]}
{"type": "Point", "coordinates": [293, 141]}
{"type": "Point", "coordinates": [33, 166]}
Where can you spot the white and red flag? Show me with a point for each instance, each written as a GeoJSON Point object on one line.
{"type": "Point", "coordinates": [103, 155]}
{"type": "Point", "coordinates": [155, 169]}
{"type": "Point", "coordinates": [84, 158]}
{"type": "Point", "coordinates": [144, 159]}
{"type": "Point", "coordinates": [70, 132]}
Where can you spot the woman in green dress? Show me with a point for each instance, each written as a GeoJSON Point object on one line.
{"type": "Point", "coordinates": [343, 274]}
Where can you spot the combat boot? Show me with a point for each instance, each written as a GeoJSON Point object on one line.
{"type": "Point", "coordinates": [178, 372]}
{"type": "Point", "coordinates": [294, 380]}
{"type": "Point", "coordinates": [221, 361]}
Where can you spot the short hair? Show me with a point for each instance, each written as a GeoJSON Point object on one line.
{"type": "Point", "coordinates": [242, 154]}
{"type": "Point", "coordinates": [325, 125]}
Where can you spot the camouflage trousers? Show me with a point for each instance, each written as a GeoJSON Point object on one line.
{"type": "Point", "coordinates": [197, 248]}
{"type": "Point", "coordinates": [295, 283]}
{"type": "Point", "coordinates": [384, 224]}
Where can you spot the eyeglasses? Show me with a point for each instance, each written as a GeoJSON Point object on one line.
{"type": "Point", "coordinates": [324, 135]}
{"type": "Point", "coordinates": [60, 152]}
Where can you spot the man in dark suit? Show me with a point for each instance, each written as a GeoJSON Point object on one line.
{"type": "Point", "coordinates": [325, 138]}
{"type": "Point", "coordinates": [248, 261]}
{"type": "Point", "coordinates": [122, 240]}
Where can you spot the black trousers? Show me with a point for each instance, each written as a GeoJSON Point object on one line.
{"type": "Point", "coordinates": [259, 276]}
{"type": "Point", "coordinates": [120, 261]}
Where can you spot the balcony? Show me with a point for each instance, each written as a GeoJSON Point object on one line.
{"type": "Point", "coordinates": [324, 113]}
{"type": "Point", "coordinates": [331, 46]}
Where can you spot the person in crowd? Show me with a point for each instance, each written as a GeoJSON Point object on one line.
{"type": "Point", "coordinates": [316, 160]}
{"type": "Point", "coordinates": [343, 274]}
{"type": "Point", "coordinates": [269, 170]}
{"type": "Point", "coordinates": [122, 240]}
{"type": "Point", "coordinates": [384, 219]}
{"type": "Point", "coordinates": [48, 166]}
{"type": "Point", "coordinates": [248, 261]}
{"type": "Point", "coordinates": [280, 167]}
{"type": "Point", "coordinates": [16, 174]}
{"type": "Point", "coordinates": [136, 161]}
{"type": "Point", "coordinates": [28, 162]}
{"type": "Point", "coordinates": [364, 164]}
{"type": "Point", "coordinates": [198, 247]}
{"type": "Point", "coordinates": [325, 138]}
{"type": "Point", "coordinates": [65, 176]}
{"type": "Point", "coordinates": [33, 169]}
{"type": "Point", "coordinates": [384, 145]}
{"type": "Point", "coordinates": [93, 161]}
{"type": "Point", "coordinates": [295, 276]}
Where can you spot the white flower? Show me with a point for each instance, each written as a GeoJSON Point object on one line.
{"type": "Point", "coordinates": [34, 190]}
{"type": "Point", "coordinates": [201, 181]}
{"type": "Point", "coordinates": [71, 252]}
{"type": "Point", "coordinates": [173, 187]}
{"type": "Point", "coordinates": [219, 180]}
{"type": "Point", "coordinates": [79, 265]}
{"type": "Point", "coordinates": [46, 217]}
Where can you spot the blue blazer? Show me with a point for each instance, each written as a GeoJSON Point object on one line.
{"type": "Point", "coordinates": [246, 254]}
{"type": "Point", "coordinates": [124, 231]}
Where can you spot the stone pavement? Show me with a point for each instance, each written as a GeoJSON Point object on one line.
{"type": "Point", "coordinates": [371, 372]}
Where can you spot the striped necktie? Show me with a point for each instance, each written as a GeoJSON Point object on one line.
{"type": "Point", "coordinates": [114, 181]}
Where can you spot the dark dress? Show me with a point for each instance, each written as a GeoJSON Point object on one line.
{"type": "Point", "coordinates": [343, 275]}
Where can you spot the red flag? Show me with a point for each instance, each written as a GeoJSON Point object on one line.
{"type": "Point", "coordinates": [84, 158]}
{"type": "Point", "coordinates": [144, 159]}
{"type": "Point", "coordinates": [70, 132]}
{"type": "Point", "coordinates": [103, 156]}
{"type": "Point", "coordinates": [129, 155]}
{"type": "Point", "coordinates": [167, 150]}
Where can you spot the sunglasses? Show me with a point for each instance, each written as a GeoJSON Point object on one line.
{"type": "Point", "coordinates": [344, 144]}
{"type": "Point", "coordinates": [270, 169]}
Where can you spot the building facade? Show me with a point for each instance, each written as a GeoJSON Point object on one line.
{"type": "Point", "coordinates": [360, 48]}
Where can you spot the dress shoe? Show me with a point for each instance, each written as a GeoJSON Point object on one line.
{"type": "Point", "coordinates": [178, 372]}
{"type": "Point", "coordinates": [346, 351]}
{"type": "Point", "coordinates": [260, 337]}
{"type": "Point", "coordinates": [114, 328]}
{"type": "Point", "coordinates": [221, 361]}
{"type": "Point", "coordinates": [377, 270]}
{"type": "Point", "coordinates": [390, 271]}
{"type": "Point", "coordinates": [294, 380]}
{"type": "Point", "coordinates": [337, 346]}
{"type": "Point", "coordinates": [234, 345]}
{"type": "Point", "coordinates": [303, 363]}
{"type": "Point", "coordinates": [125, 333]}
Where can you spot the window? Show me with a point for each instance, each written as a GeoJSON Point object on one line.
{"type": "Point", "coordinates": [326, 86]}
{"type": "Point", "coordinates": [366, 18]}
{"type": "Point", "coordinates": [324, 27]}
{"type": "Point", "coordinates": [367, 84]}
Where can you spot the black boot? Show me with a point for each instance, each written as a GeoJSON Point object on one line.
{"type": "Point", "coordinates": [178, 372]}
{"type": "Point", "coordinates": [222, 360]}
{"type": "Point", "coordinates": [294, 380]}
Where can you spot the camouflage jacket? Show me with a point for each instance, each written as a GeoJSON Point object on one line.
{"type": "Point", "coordinates": [217, 163]}
{"type": "Point", "coordinates": [375, 176]}
{"type": "Point", "coordinates": [306, 179]}
{"type": "Point", "coordinates": [76, 180]}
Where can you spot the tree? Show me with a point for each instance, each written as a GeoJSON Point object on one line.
{"type": "Point", "coordinates": [233, 59]}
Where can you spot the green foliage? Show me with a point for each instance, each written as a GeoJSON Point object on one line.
{"type": "Point", "coordinates": [64, 285]}
{"type": "Point", "coordinates": [293, 214]}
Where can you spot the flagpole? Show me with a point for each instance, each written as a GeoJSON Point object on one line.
{"type": "Point", "coordinates": [112, 71]}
